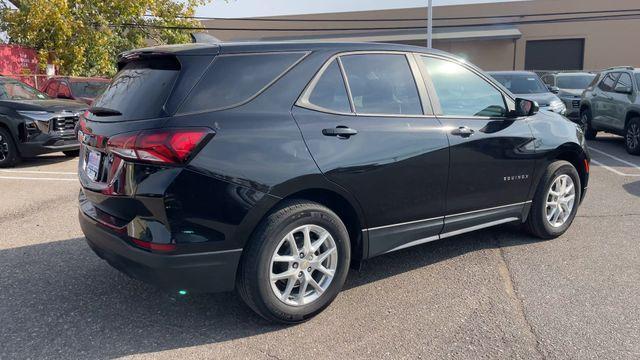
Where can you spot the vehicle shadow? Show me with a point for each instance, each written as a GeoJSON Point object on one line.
{"type": "Point", "coordinates": [633, 188]}
{"type": "Point", "coordinates": [48, 159]}
{"type": "Point", "coordinates": [59, 298]}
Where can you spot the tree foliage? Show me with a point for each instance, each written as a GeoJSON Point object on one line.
{"type": "Point", "coordinates": [83, 37]}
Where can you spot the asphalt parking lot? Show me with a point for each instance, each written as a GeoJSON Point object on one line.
{"type": "Point", "coordinates": [497, 293]}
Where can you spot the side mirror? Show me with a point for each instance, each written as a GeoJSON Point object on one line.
{"type": "Point", "coordinates": [621, 89]}
{"type": "Point", "coordinates": [553, 89]}
{"type": "Point", "coordinates": [526, 107]}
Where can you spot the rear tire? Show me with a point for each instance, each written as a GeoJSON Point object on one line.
{"type": "Point", "coordinates": [71, 153]}
{"type": "Point", "coordinates": [632, 136]}
{"type": "Point", "coordinates": [543, 221]}
{"type": "Point", "coordinates": [9, 155]}
{"type": "Point", "coordinates": [270, 255]}
{"type": "Point", "coordinates": [585, 119]}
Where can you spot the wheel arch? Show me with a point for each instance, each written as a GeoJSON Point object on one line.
{"type": "Point", "coordinates": [315, 188]}
{"type": "Point", "coordinates": [631, 114]}
{"type": "Point", "coordinates": [575, 155]}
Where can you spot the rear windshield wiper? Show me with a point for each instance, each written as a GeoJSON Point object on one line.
{"type": "Point", "coordinates": [101, 111]}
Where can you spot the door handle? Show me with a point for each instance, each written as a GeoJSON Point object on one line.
{"type": "Point", "coordinates": [341, 132]}
{"type": "Point", "coordinates": [463, 131]}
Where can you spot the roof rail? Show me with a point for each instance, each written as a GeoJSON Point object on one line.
{"type": "Point", "coordinates": [620, 67]}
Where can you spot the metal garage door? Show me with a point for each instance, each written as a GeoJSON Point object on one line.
{"type": "Point", "coordinates": [565, 54]}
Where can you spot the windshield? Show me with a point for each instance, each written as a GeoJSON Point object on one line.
{"type": "Point", "coordinates": [522, 84]}
{"type": "Point", "coordinates": [578, 82]}
{"type": "Point", "coordinates": [16, 90]}
{"type": "Point", "coordinates": [88, 89]}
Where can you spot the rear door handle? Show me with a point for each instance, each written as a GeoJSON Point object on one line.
{"type": "Point", "coordinates": [341, 132]}
{"type": "Point", "coordinates": [463, 131]}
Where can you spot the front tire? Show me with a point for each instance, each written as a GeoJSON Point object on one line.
{"type": "Point", "coordinates": [9, 156]}
{"type": "Point", "coordinates": [585, 119]}
{"type": "Point", "coordinates": [632, 137]}
{"type": "Point", "coordinates": [556, 201]}
{"type": "Point", "coordinates": [296, 263]}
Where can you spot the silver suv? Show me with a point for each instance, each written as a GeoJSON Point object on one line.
{"type": "Point", "coordinates": [611, 103]}
{"type": "Point", "coordinates": [569, 88]}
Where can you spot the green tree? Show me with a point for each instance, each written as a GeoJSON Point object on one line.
{"type": "Point", "coordinates": [83, 37]}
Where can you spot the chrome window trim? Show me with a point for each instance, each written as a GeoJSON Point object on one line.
{"type": "Point", "coordinates": [303, 100]}
{"type": "Point", "coordinates": [448, 216]}
{"type": "Point", "coordinates": [304, 55]}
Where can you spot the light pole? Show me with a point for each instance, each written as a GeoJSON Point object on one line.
{"type": "Point", "coordinates": [430, 24]}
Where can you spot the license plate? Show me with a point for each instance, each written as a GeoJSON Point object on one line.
{"type": "Point", "coordinates": [93, 164]}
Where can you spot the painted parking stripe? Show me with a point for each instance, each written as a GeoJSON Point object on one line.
{"type": "Point", "coordinates": [38, 172]}
{"type": "Point", "coordinates": [35, 178]}
{"type": "Point", "coordinates": [636, 166]}
{"type": "Point", "coordinates": [612, 169]}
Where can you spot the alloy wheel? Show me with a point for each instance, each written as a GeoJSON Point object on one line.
{"type": "Point", "coordinates": [560, 200]}
{"type": "Point", "coordinates": [4, 148]}
{"type": "Point", "coordinates": [633, 136]}
{"type": "Point", "coordinates": [303, 265]}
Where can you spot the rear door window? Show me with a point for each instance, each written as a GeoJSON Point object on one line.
{"type": "Point", "coordinates": [140, 89]}
{"type": "Point", "coordinates": [624, 81]}
{"type": "Point", "coordinates": [235, 79]}
{"type": "Point", "coordinates": [330, 91]}
{"type": "Point", "coordinates": [382, 84]}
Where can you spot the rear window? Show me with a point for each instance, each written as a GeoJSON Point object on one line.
{"type": "Point", "coordinates": [235, 79]}
{"type": "Point", "coordinates": [140, 89]}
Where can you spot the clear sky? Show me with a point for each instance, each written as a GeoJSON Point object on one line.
{"type": "Point", "coordinates": [252, 8]}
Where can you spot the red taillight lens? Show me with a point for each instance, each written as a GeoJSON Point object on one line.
{"type": "Point", "coordinates": [167, 146]}
{"type": "Point", "coordinates": [154, 246]}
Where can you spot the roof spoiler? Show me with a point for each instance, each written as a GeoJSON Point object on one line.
{"type": "Point", "coordinates": [204, 38]}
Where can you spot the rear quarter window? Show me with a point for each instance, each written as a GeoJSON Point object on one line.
{"type": "Point", "coordinates": [235, 79]}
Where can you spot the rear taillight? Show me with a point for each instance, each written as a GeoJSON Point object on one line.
{"type": "Point", "coordinates": [154, 246]}
{"type": "Point", "coordinates": [165, 146]}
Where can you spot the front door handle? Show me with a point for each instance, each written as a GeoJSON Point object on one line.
{"type": "Point", "coordinates": [341, 132]}
{"type": "Point", "coordinates": [463, 131]}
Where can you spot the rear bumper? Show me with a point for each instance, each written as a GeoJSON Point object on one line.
{"type": "Point", "coordinates": [198, 272]}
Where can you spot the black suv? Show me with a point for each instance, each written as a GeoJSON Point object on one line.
{"type": "Point", "coordinates": [271, 167]}
{"type": "Point", "coordinates": [31, 123]}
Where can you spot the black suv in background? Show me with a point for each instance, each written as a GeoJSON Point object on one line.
{"type": "Point", "coordinates": [271, 167]}
{"type": "Point", "coordinates": [31, 123]}
{"type": "Point", "coordinates": [569, 88]}
{"type": "Point", "coordinates": [611, 103]}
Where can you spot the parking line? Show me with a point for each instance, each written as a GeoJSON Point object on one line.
{"type": "Point", "coordinates": [38, 172]}
{"type": "Point", "coordinates": [35, 178]}
{"type": "Point", "coordinates": [615, 157]}
{"type": "Point", "coordinates": [612, 169]}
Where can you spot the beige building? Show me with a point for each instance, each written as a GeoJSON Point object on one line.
{"type": "Point", "coordinates": [532, 35]}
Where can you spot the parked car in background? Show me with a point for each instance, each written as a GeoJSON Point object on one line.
{"type": "Point", "coordinates": [611, 103]}
{"type": "Point", "coordinates": [75, 88]}
{"type": "Point", "coordinates": [528, 85]}
{"type": "Point", "coordinates": [570, 87]}
{"type": "Point", "coordinates": [273, 168]}
{"type": "Point", "coordinates": [32, 123]}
